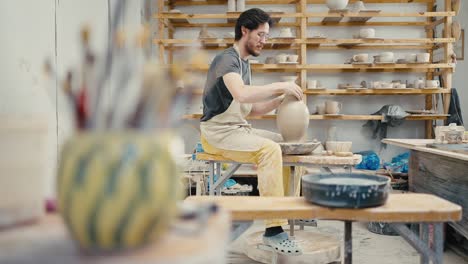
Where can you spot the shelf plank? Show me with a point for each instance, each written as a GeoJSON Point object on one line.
{"type": "Point", "coordinates": [346, 67]}
{"type": "Point", "coordinates": [314, 47]}
{"type": "Point", "coordinates": [309, 24]}
{"type": "Point", "coordinates": [333, 16]}
{"type": "Point", "coordinates": [379, 41]}
{"type": "Point", "coordinates": [335, 117]}
{"type": "Point", "coordinates": [364, 19]}
{"type": "Point", "coordinates": [317, 43]}
{"type": "Point", "coordinates": [381, 14]}
{"type": "Point", "coordinates": [376, 91]}
{"type": "Point", "coordinates": [373, 67]}
{"type": "Point", "coordinates": [278, 2]}
{"type": "Point", "coordinates": [337, 16]}
{"type": "Point", "coordinates": [371, 23]}
{"type": "Point", "coordinates": [406, 91]}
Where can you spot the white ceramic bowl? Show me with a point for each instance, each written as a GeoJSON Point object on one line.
{"type": "Point", "coordinates": [337, 4]}
{"type": "Point", "coordinates": [288, 78]}
{"type": "Point", "coordinates": [367, 33]}
{"type": "Point", "coordinates": [339, 146]}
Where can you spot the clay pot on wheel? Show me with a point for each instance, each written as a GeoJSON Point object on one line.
{"type": "Point", "coordinates": [292, 119]}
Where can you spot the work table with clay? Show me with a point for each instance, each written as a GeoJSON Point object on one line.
{"type": "Point", "coordinates": [422, 145]}
{"type": "Point", "coordinates": [439, 169]}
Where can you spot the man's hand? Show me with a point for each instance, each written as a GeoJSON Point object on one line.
{"type": "Point", "coordinates": [291, 88]}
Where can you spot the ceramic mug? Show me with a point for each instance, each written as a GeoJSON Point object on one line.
{"type": "Point", "coordinates": [321, 109]}
{"type": "Point", "coordinates": [231, 5]}
{"type": "Point", "coordinates": [432, 83]}
{"type": "Point", "coordinates": [240, 5]}
{"type": "Point", "coordinates": [292, 58]}
{"type": "Point", "coordinates": [285, 32]}
{"type": "Point", "coordinates": [281, 58]}
{"type": "Point", "coordinates": [367, 33]}
{"type": "Point", "coordinates": [386, 57]}
{"type": "Point", "coordinates": [363, 57]}
{"type": "Point", "coordinates": [333, 107]}
{"type": "Point", "coordinates": [410, 57]}
{"type": "Point", "coordinates": [423, 57]}
{"type": "Point", "coordinates": [419, 83]}
{"type": "Point", "coordinates": [270, 60]}
{"type": "Point", "coordinates": [312, 84]}
{"type": "Point", "coordinates": [386, 85]}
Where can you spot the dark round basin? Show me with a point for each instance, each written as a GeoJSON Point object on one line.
{"type": "Point", "coordinates": [346, 190]}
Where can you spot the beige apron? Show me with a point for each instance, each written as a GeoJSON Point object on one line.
{"type": "Point", "coordinates": [231, 131]}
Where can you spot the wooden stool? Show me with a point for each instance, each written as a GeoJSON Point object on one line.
{"type": "Point", "coordinates": [288, 160]}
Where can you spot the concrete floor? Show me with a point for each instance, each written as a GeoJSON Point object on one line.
{"type": "Point", "coordinates": [368, 248]}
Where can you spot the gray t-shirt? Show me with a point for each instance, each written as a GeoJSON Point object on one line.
{"type": "Point", "coordinates": [216, 96]}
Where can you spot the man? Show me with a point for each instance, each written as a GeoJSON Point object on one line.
{"type": "Point", "coordinates": [229, 98]}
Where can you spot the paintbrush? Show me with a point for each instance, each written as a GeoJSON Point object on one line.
{"type": "Point", "coordinates": [128, 96]}
{"type": "Point", "coordinates": [106, 68]}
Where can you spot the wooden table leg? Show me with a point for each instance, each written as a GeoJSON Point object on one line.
{"type": "Point", "coordinates": [348, 242]}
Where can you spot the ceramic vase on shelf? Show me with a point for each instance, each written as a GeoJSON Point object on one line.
{"type": "Point", "coordinates": [231, 5]}
{"type": "Point", "coordinates": [358, 6]}
{"type": "Point", "coordinates": [240, 5]}
{"type": "Point", "coordinates": [337, 4]}
{"type": "Point", "coordinates": [117, 191]}
{"type": "Point", "coordinates": [292, 119]}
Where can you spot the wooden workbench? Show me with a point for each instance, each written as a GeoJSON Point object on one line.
{"type": "Point", "coordinates": [439, 172]}
{"type": "Point", "coordinates": [399, 208]}
{"type": "Point", "coordinates": [425, 209]}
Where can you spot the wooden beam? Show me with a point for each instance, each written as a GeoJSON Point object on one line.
{"type": "Point", "coordinates": [448, 51]}
{"type": "Point", "coordinates": [161, 31]}
{"type": "Point", "coordinates": [429, 75]}
{"type": "Point", "coordinates": [302, 7]}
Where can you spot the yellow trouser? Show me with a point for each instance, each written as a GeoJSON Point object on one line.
{"type": "Point", "coordinates": [271, 182]}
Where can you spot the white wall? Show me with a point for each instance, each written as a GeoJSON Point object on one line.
{"type": "Point", "coordinates": [33, 31]}
{"type": "Point", "coordinates": [460, 78]}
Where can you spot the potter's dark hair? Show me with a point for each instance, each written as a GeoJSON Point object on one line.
{"type": "Point", "coordinates": [251, 19]}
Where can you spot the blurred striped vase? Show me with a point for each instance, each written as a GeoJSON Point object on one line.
{"type": "Point", "coordinates": [117, 191]}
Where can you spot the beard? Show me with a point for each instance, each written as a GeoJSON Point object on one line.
{"type": "Point", "coordinates": [250, 48]}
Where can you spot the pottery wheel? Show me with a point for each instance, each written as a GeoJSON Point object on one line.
{"type": "Point", "coordinates": [298, 148]}
{"type": "Point", "coordinates": [317, 248]}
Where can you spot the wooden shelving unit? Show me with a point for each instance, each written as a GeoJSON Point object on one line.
{"type": "Point", "coordinates": [302, 43]}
